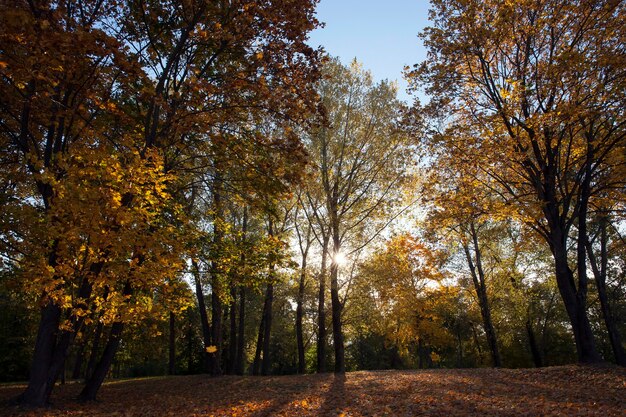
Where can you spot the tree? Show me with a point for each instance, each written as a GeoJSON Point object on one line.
{"type": "Point", "coordinates": [360, 156]}
{"type": "Point", "coordinates": [101, 139]}
{"type": "Point", "coordinates": [529, 92]}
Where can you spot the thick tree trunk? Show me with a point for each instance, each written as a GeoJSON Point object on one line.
{"type": "Point", "coordinates": [599, 273]}
{"type": "Point", "coordinates": [51, 350]}
{"type": "Point", "coordinates": [240, 367]}
{"type": "Point", "coordinates": [36, 393]}
{"type": "Point", "coordinates": [478, 277]}
{"type": "Point", "coordinates": [321, 310]}
{"type": "Point", "coordinates": [172, 347]}
{"type": "Point", "coordinates": [95, 347]}
{"type": "Point", "coordinates": [575, 302]}
{"type": "Point", "coordinates": [204, 319]}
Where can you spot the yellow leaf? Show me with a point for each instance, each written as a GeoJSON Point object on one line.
{"type": "Point", "coordinates": [211, 349]}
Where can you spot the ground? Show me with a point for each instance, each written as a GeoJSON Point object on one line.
{"type": "Point", "coordinates": [558, 391]}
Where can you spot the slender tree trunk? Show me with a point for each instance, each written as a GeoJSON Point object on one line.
{"type": "Point", "coordinates": [240, 337]}
{"type": "Point", "coordinates": [190, 327]}
{"type": "Point", "coordinates": [80, 359]}
{"type": "Point", "coordinates": [599, 273]}
{"type": "Point", "coordinates": [532, 343]}
{"type": "Point", "coordinates": [267, 312]}
{"type": "Point", "coordinates": [216, 302]}
{"type": "Point", "coordinates": [172, 350]}
{"type": "Point", "coordinates": [478, 277]}
{"type": "Point", "coordinates": [337, 307]}
{"type": "Point", "coordinates": [256, 364]}
{"type": "Point", "coordinates": [321, 310]}
{"type": "Point", "coordinates": [239, 360]}
{"type": "Point", "coordinates": [94, 382]}
{"type": "Point", "coordinates": [216, 330]}
{"type": "Point", "coordinates": [299, 317]}
{"type": "Point", "coordinates": [204, 319]}
{"type": "Point", "coordinates": [232, 342]}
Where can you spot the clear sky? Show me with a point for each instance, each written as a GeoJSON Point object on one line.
{"type": "Point", "coordinates": [380, 34]}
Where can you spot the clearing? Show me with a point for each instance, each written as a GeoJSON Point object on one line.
{"type": "Point", "coordinates": [556, 391]}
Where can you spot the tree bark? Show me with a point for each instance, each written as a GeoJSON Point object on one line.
{"type": "Point", "coordinates": [321, 310]}
{"type": "Point", "coordinates": [267, 319]}
{"type": "Point", "coordinates": [172, 347]}
{"type": "Point", "coordinates": [299, 318]}
{"type": "Point", "coordinates": [232, 342]}
{"type": "Point", "coordinates": [240, 337]}
{"type": "Point", "coordinates": [256, 364]}
{"type": "Point", "coordinates": [532, 343]}
{"type": "Point", "coordinates": [204, 320]}
{"type": "Point", "coordinates": [478, 278]}
{"type": "Point", "coordinates": [94, 382]}
{"type": "Point", "coordinates": [599, 273]}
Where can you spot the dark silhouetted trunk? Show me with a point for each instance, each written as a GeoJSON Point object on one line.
{"type": "Point", "coordinates": [172, 350]}
{"type": "Point", "coordinates": [94, 382]}
{"type": "Point", "coordinates": [599, 273]}
{"type": "Point", "coordinates": [80, 359]}
{"type": "Point", "coordinates": [232, 342]}
{"type": "Point", "coordinates": [304, 249]}
{"type": "Point", "coordinates": [256, 364]}
{"type": "Point", "coordinates": [204, 319]}
{"type": "Point", "coordinates": [240, 367]}
{"type": "Point", "coordinates": [239, 359]}
{"type": "Point", "coordinates": [321, 310]}
{"type": "Point", "coordinates": [267, 330]}
{"type": "Point", "coordinates": [532, 343]}
{"type": "Point", "coordinates": [478, 278]}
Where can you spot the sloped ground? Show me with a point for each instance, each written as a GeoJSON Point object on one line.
{"type": "Point", "coordinates": [559, 391]}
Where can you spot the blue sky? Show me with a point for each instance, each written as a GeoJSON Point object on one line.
{"type": "Point", "coordinates": [380, 34]}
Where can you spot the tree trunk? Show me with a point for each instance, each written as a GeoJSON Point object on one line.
{"type": "Point", "coordinates": [232, 342]}
{"type": "Point", "coordinates": [299, 317]}
{"type": "Point", "coordinates": [575, 302]}
{"type": "Point", "coordinates": [321, 311]}
{"type": "Point", "coordinates": [80, 358]}
{"type": "Point", "coordinates": [172, 350]}
{"type": "Point", "coordinates": [204, 320]}
{"type": "Point", "coordinates": [267, 312]}
{"type": "Point", "coordinates": [240, 337]}
{"type": "Point", "coordinates": [599, 273]}
{"type": "Point", "coordinates": [52, 347]}
{"type": "Point", "coordinates": [256, 364]}
{"type": "Point", "coordinates": [532, 343]}
{"type": "Point", "coordinates": [478, 277]}
{"type": "Point", "coordinates": [340, 365]}
{"type": "Point", "coordinates": [94, 382]}
{"type": "Point", "coordinates": [36, 393]}
{"type": "Point", "coordinates": [216, 329]}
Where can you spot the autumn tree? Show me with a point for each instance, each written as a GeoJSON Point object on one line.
{"type": "Point", "coordinates": [106, 106]}
{"type": "Point", "coordinates": [359, 155]}
{"type": "Point", "coordinates": [539, 85]}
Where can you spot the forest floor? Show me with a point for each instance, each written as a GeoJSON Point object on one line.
{"type": "Point", "coordinates": [556, 391]}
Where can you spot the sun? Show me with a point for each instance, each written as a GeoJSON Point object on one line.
{"type": "Point", "coordinates": [340, 259]}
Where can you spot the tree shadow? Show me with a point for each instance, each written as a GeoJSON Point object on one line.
{"type": "Point", "coordinates": [335, 399]}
